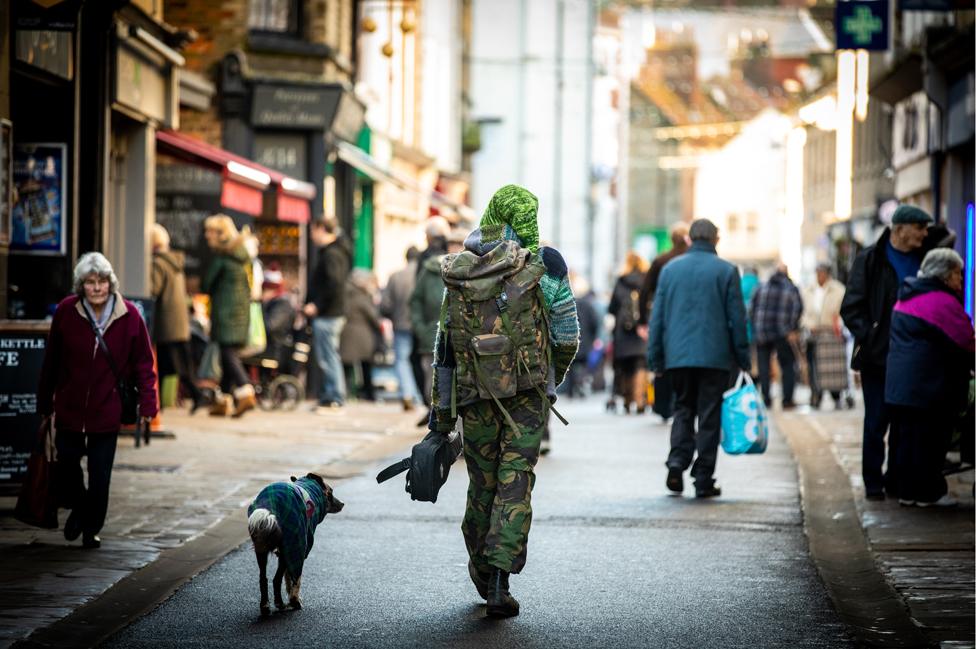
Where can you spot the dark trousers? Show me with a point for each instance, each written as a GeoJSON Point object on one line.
{"type": "Point", "coordinates": [816, 394]}
{"type": "Point", "coordinates": [787, 362]}
{"type": "Point", "coordinates": [877, 421]}
{"type": "Point", "coordinates": [90, 503]}
{"type": "Point", "coordinates": [417, 365]}
{"type": "Point", "coordinates": [234, 374]}
{"type": "Point", "coordinates": [174, 358]}
{"type": "Point", "coordinates": [359, 379]}
{"type": "Point", "coordinates": [923, 438]}
{"type": "Point", "coordinates": [698, 393]}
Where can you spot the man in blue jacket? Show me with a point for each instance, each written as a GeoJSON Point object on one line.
{"type": "Point", "coordinates": [698, 336]}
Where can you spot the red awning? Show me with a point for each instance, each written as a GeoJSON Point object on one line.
{"type": "Point", "coordinates": [244, 181]}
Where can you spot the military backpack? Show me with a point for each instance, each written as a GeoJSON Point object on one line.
{"type": "Point", "coordinates": [497, 325]}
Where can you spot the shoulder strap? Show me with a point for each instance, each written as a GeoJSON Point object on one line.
{"type": "Point", "coordinates": [101, 343]}
{"type": "Point", "coordinates": [393, 470]}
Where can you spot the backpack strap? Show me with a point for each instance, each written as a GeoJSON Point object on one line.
{"type": "Point", "coordinates": [393, 470]}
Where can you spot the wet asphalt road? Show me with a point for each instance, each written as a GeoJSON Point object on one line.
{"type": "Point", "coordinates": [613, 562]}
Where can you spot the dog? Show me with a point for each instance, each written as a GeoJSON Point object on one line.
{"type": "Point", "coordinates": [282, 519]}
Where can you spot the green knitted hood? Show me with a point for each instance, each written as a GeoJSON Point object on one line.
{"type": "Point", "coordinates": [517, 207]}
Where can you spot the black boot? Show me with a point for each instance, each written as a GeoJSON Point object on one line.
{"type": "Point", "coordinates": [500, 601]}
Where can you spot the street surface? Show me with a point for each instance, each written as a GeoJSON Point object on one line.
{"type": "Point", "coordinates": [613, 562]}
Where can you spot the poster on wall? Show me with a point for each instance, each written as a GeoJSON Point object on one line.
{"type": "Point", "coordinates": [37, 221]}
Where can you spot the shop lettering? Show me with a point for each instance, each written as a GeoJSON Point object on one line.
{"type": "Point", "coordinates": [22, 343]}
{"type": "Point", "coordinates": [9, 359]}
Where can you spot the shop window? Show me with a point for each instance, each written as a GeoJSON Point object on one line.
{"type": "Point", "coordinates": [282, 17]}
{"type": "Point", "coordinates": [47, 50]}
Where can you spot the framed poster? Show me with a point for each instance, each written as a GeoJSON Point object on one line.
{"type": "Point", "coordinates": [6, 181]}
{"type": "Point", "coordinates": [37, 221]}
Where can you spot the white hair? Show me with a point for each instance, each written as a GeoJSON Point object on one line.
{"type": "Point", "coordinates": [94, 263]}
{"type": "Point", "coordinates": [939, 263]}
{"type": "Point", "coordinates": [437, 226]}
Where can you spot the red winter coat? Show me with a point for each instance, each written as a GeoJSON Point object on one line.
{"type": "Point", "coordinates": [77, 383]}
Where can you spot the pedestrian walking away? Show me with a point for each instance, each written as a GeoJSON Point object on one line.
{"type": "Point", "coordinates": [872, 290]}
{"type": "Point", "coordinates": [325, 306]}
{"type": "Point", "coordinates": [362, 334]}
{"type": "Point", "coordinates": [698, 336]}
{"type": "Point", "coordinates": [775, 313]}
{"type": "Point", "coordinates": [508, 333]}
{"type": "Point", "coordinates": [82, 389]}
{"type": "Point", "coordinates": [172, 316]}
{"type": "Point", "coordinates": [629, 337]}
{"type": "Point", "coordinates": [930, 360]}
{"type": "Point", "coordinates": [395, 305]}
{"type": "Point", "coordinates": [663, 390]}
{"type": "Point", "coordinates": [226, 281]}
{"type": "Point", "coordinates": [825, 344]}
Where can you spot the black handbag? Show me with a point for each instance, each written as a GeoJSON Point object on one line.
{"type": "Point", "coordinates": [128, 392]}
{"type": "Point", "coordinates": [428, 465]}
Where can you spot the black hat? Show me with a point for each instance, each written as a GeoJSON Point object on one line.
{"type": "Point", "coordinates": [910, 214]}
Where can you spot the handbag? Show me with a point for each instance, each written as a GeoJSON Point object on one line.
{"type": "Point", "coordinates": [210, 368]}
{"type": "Point", "coordinates": [257, 337]}
{"type": "Point", "coordinates": [745, 423]}
{"type": "Point", "coordinates": [428, 465]}
{"type": "Point", "coordinates": [128, 392]}
{"type": "Point", "coordinates": [37, 503]}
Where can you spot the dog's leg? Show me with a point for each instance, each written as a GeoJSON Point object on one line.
{"type": "Point", "coordinates": [293, 600]}
{"type": "Point", "coordinates": [263, 580]}
{"type": "Point", "coordinates": [279, 603]}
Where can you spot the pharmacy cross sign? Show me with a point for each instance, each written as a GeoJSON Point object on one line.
{"type": "Point", "coordinates": [862, 24]}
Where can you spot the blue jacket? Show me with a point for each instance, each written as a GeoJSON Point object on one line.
{"type": "Point", "coordinates": [698, 319]}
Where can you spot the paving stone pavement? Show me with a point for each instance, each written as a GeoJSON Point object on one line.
{"type": "Point", "coordinates": [927, 555]}
{"type": "Point", "coordinates": [174, 490]}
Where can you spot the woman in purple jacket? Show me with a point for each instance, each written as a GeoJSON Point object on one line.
{"type": "Point", "coordinates": [930, 360]}
{"type": "Point", "coordinates": [79, 389]}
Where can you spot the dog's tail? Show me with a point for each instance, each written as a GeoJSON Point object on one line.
{"type": "Point", "coordinates": [265, 532]}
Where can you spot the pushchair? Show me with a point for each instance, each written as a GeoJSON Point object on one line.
{"type": "Point", "coordinates": [278, 372]}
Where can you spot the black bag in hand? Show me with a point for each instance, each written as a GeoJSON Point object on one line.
{"type": "Point", "coordinates": [428, 465]}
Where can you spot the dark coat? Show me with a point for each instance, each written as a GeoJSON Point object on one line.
{"type": "Point", "coordinates": [79, 387]}
{"type": "Point", "coordinates": [649, 287]}
{"type": "Point", "coordinates": [327, 286]}
{"type": "Point", "coordinates": [589, 325]}
{"type": "Point", "coordinates": [425, 304]}
{"type": "Point", "coordinates": [362, 330]}
{"type": "Point", "coordinates": [279, 323]}
{"type": "Point", "coordinates": [172, 317]}
{"type": "Point", "coordinates": [395, 304]}
{"type": "Point", "coordinates": [227, 284]}
{"type": "Point", "coordinates": [626, 342]}
{"type": "Point", "coordinates": [872, 290]}
{"type": "Point", "coordinates": [931, 350]}
{"type": "Point", "coordinates": [698, 319]}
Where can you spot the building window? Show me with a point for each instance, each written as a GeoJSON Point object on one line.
{"type": "Point", "coordinates": [275, 16]}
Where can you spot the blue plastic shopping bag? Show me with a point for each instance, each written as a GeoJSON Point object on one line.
{"type": "Point", "coordinates": [745, 424]}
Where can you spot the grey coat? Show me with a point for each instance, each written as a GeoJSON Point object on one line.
{"type": "Point", "coordinates": [698, 318]}
{"type": "Point", "coordinates": [395, 303]}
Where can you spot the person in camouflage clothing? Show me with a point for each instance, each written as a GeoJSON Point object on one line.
{"type": "Point", "coordinates": [503, 425]}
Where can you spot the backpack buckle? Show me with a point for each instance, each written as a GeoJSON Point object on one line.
{"type": "Point", "coordinates": [502, 302]}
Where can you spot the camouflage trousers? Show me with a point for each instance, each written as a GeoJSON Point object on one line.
{"type": "Point", "coordinates": [500, 465]}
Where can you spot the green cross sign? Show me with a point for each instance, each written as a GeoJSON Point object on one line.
{"type": "Point", "coordinates": [863, 25]}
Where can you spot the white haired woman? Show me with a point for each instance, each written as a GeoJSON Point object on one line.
{"type": "Point", "coordinates": [930, 359]}
{"type": "Point", "coordinates": [79, 388]}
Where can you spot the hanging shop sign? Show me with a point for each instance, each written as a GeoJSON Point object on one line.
{"type": "Point", "coordinates": [862, 25]}
{"type": "Point", "coordinates": [38, 217]}
{"type": "Point", "coordinates": [48, 15]}
{"type": "Point", "coordinates": [292, 107]}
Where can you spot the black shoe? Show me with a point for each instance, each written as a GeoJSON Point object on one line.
{"type": "Point", "coordinates": [875, 495]}
{"type": "Point", "coordinates": [675, 481]}
{"type": "Point", "coordinates": [789, 405]}
{"type": "Point", "coordinates": [500, 601]}
{"type": "Point", "coordinates": [72, 526]}
{"type": "Point", "coordinates": [91, 542]}
{"type": "Point", "coordinates": [423, 421]}
{"type": "Point", "coordinates": [479, 579]}
{"type": "Point", "coordinates": [708, 492]}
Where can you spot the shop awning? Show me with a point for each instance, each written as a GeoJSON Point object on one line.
{"type": "Point", "coordinates": [244, 181]}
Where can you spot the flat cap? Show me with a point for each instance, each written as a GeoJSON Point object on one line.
{"type": "Point", "coordinates": [910, 214]}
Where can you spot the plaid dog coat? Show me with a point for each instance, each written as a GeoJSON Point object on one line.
{"type": "Point", "coordinates": [299, 507]}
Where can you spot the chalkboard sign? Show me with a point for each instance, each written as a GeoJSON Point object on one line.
{"type": "Point", "coordinates": [22, 347]}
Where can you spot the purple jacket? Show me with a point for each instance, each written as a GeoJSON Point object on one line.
{"type": "Point", "coordinates": [77, 383]}
{"type": "Point", "coordinates": [931, 349]}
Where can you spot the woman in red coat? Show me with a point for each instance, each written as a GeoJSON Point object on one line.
{"type": "Point", "coordinates": [78, 387]}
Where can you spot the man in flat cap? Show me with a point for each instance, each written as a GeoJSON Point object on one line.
{"type": "Point", "coordinates": [872, 290]}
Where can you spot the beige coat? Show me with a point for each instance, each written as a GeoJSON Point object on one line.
{"type": "Point", "coordinates": [172, 319]}
{"type": "Point", "coordinates": [814, 320]}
